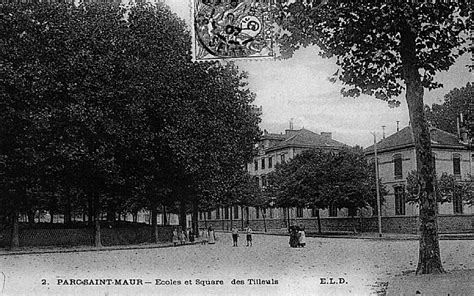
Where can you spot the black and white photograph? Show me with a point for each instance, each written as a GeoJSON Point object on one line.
{"type": "Point", "coordinates": [236, 147]}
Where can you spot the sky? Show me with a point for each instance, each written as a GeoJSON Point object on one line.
{"type": "Point", "coordinates": [298, 89]}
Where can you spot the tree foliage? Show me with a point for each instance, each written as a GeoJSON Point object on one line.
{"type": "Point", "coordinates": [445, 116]}
{"type": "Point", "coordinates": [103, 110]}
{"type": "Point", "coordinates": [319, 179]}
{"type": "Point", "coordinates": [447, 186]}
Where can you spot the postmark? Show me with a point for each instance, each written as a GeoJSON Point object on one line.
{"type": "Point", "coordinates": [233, 29]}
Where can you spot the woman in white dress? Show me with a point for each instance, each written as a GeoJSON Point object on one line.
{"type": "Point", "coordinates": [212, 235]}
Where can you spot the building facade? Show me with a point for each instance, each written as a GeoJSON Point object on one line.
{"type": "Point", "coordinates": [396, 155]}
{"type": "Point", "coordinates": [397, 158]}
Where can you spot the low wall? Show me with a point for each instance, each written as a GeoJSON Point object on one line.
{"type": "Point", "coordinates": [406, 224]}
{"type": "Point", "coordinates": [85, 236]}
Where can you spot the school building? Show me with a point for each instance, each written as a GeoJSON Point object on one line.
{"type": "Point", "coordinates": [396, 155]}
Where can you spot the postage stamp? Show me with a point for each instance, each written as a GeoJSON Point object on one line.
{"type": "Point", "coordinates": [233, 29]}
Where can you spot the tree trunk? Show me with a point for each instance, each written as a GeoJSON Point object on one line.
{"type": "Point", "coordinates": [194, 218]}
{"type": "Point", "coordinates": [31, 217]}
{"type": "Point", "coordinates": [319, 222]}
{"type": "Point", "coordinates": [182, 215]}
{"type": "Point", "coordinates": [111, 214]}
{"type": "Point", "coordinates": [15, 232]}
{"type": "Point", "coordinates": [51, 217]}
{"type": "Point", "coordinates": [429, 255]}
{"type": "Point", "coordinates": [135, 217]}
{"type": "Point", "coordinates": [264, 220]}
{"type": "Point", "coordinates": [242, 216]}
{"type": "Point", "coordinates": [90, 211]}
{"type": "Point", "coordinates": [154, 224]}
{"type": "Point", "coordinates": [67, 208]}
{"type": "Point", "coordinates": [165, 221]}
{"type": "Point", "coordinates": [97, 235]}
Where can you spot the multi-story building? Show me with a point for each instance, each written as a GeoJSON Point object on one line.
{"type": "Point", "coordinates": [273, 149]}
{"type": "Point", "coordinates": [396, 158]}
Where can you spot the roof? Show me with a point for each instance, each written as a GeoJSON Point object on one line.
{"type": "Point", "coordinates": [404, 138]}
{"type": "Point", "coordinates": [302, 138]}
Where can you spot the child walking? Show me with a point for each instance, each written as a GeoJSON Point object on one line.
{"type": "Point", "coordinates": [249, 236]}
{"type": "Point", "coordinates": [235, 235]}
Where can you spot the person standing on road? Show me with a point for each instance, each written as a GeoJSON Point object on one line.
{"type": "Point", "coordinates": [175, 237]}
{"type": "Point", "coordinates": [249, 236]}
{"type": "Point", "coordinates": [235, 235]}
{"type": "Point", "coordinates": [212, 235]}
{"type": "Point", "coordinates": [302, 237]}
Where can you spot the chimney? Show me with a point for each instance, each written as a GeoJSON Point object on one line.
{"type": "Point", "coordinates": [383, 131]}
{"type": "Point", "coordinates": [291, 124]}
{"type": "Point", "coordinates": [326, 135]}
{"type": "Point", "coordinates": [398, 125]}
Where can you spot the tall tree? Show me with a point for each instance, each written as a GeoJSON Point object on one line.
{"type": "Point", "coordinates": [382, 48]}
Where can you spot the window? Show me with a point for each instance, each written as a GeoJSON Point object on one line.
{"type": "Point", "coordinates": [257, 212]}
{"type": "Point", "coordinates": [226, 213]}
{"type": "Point", "coordinates": [270, 162]}
{"type": "Point", "coordinates": [236, 212]}
{"type": "Point", "coordinates": [314, 212]}
{"type": "Point", "coordinates": [271, 213]}
{"type": "Point", "coordinates": [332, 210]}
{"type": "Point", "coordinates": [200, 215]}
{"type": "Point", "coordinates": [209, 215]}
{"type": "Point", "coordinates": [255, 165]}
{"type": "Point", "coordinates": [218, 213]}
{"type": "Point", "coordinates": [264, 181]}
{"type": "Point", "coordinates": [457, 164]}
{"type": "Point", "coordinates": [457, 203]}
{"type": "Point", "coordinates": [263, 163]}
{"type": "Point", "coordinates": [299, 212]}
{"type": "Point", "coordinates": [399, 200]}
{"type": "Point", "coordinates": [397, 166]}
{"type": "Point", "coordinates": [283, 158]}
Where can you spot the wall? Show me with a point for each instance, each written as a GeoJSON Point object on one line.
{"type": "Point", "coordinates": [399, 224]}
{"type": "Point", "coordinates": [85, 236]}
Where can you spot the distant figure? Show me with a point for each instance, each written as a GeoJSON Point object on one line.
{"type": "Point", "coordinates": [212, 235]}
{"type": "Point", "coordinates": [204, 236]}
{"type": "Point", "coordinates": [182, 237]}
{"type": "Point", "coordinates": [249, 236]}
{"type": "Point", "coordinates": [175, 239]}
{"type": "Point", "coordinates": [191, 235]}
{"type": "Point", "coordinates": [294, 236]}
{"type": "Point", "coordinates": [302, 237]}
{"type": "Point", "coordinates": [235, 235]}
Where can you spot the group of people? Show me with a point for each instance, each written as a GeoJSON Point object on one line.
{"type": "Point", "coordinates": [235, 236]}
{"type": "Point", "coordinates": [181, 237]}
{"type": "Point", "coordinates": [297, 236]}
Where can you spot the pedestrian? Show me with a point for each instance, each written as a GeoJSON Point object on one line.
{"type": "Point", "coordinates": [191, 235]}
{"type": "Point", "coordinates": [203, 236]}
{"type": "Point", "coordinates": [302, 237]}
{"type": "Point", "coordinates": [293, 236]}
{"type": "Point", "coordinates": [212, 235]}
{"type": "Point", "coordinates": [235, 235]}
{"type": "Point", "coordinates": [249, 236]}
{"type": "Point", "coordinates": [175, 239]}
{"type": "Point", "coordinates": [182, 237]}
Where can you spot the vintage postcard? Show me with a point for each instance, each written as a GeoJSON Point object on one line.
{"type": "Point", "coordinates": [236, 147]}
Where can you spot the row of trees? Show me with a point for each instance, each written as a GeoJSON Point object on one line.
{"type": "Point", "coordinates": [102, 110]}
{"type": "Point", "coordinates": [320, 179]}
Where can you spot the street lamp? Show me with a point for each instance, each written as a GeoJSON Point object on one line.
{"type": "Point", "coordinates": [377, 186]}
